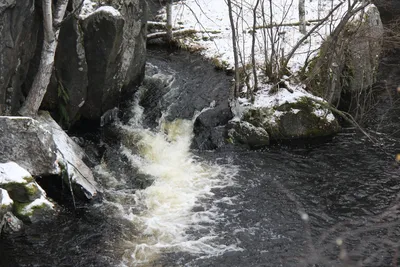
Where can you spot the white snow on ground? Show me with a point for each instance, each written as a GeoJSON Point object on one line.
{"type": "Point", "coordinates": [11, 172]}
{"type": "Point", "coordinates": [210, 18]}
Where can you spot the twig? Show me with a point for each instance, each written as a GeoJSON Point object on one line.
{"type": "Point", "coordinates": [346, 116]}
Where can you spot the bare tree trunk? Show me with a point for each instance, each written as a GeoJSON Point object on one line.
{"type": "Point", "coordinates": [169, 35]}
{"type": "Point", "coordinates": [253, 44]}
{"type": "Point", "coordinates": [302, 16]}
{"type": "Point", "coordinates": [235, 51]}
{"type": "Point", "coordinates": [42, 78]}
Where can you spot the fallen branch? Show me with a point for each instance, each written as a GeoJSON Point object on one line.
{"type": "Point", "coordinates": [346, 116]}
{"type": "Point", "coordinates": [298, 23]}
{"type": "Point", "coordinates": [177, 33]}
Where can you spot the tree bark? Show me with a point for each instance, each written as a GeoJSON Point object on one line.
{"type": "Point", "coordinates": [235, 52]}
{"type": "Point", "coordinates": [253, 57]}
{"type": "Point", "coordinates": [302, 17]}
{"type": "Point", "coordinates": [169, 35]}
{"type": "Point", "coordinates": [42, 78]}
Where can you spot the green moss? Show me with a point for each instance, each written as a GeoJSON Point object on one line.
{"type": "Point", "coordinates": [29, 179]}
{"type": "Point", "coordinates": [18, 209]}
{"type": "Point", "coordinates": [31, 189]}
{"type": "Point", "coordinates": [303, 103]}
{"type": "Point", "coordinates": [219, 64]}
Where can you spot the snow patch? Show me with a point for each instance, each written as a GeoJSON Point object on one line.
{"type": "Point", "coordinates": [5, 198]}
{"type": "Point", "coordinates": [41, 202]}
{"type": "Point", "coordinates": [11, 172]}
{"type": "Point", "coordinates": [109, 9]}
{"type": "Point", "coordinates": [88, 8]}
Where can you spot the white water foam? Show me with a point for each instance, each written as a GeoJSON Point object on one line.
{"type": "Point", "coordinates": [163, 212]}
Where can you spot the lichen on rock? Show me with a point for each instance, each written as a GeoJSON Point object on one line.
{"type": "Point", "coordinates": [295, 118]}
{"type": "Point", "coordinates": [20, 191]}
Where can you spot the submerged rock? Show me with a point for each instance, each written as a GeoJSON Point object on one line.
{"type": "Point", "coordinates": [299, 118]}
{"type": "Point", "coordinates": [43, 148]}
{"type": "Point", "coordinates": [19, 189]}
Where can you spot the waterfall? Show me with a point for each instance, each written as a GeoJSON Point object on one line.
{"type": "Point", "coordinates": [163, 214]}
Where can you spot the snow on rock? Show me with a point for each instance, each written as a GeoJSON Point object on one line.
{"type": "Point", "coordinates": [11, 172]}
{"type": "Point", "coordinates": [5, 200]}
{"type": "Point", "coordinates": [20, 191]}
{"type": "Point", "coordinates": [42, 148]}
{"type": "Point", "coordinates": [39, 203]}
{"type": "Point", "coordinates": [89, 8]}
{"type": "Point", "coordinates": [110, 10]}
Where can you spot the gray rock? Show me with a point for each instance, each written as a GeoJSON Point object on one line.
{"type": "Point", "coordinates": [71, 66]}
{"type": "Point", "coordinates": [28, 199]}
{"type": "Point", "coordinates": [244, 133]}
{"type": "Point", "coordinates": [103, 41]}
{"type": "Point", "coordinates": [301, 119]}
{"type": "Point", "coordinates": [135, 13]}
{"type": "Point", "coordinates": [208, 134]}
{"type": "Point", "coordinates": [18, 32]}
{"type": "Point", "coordinates": [10, 223]}
{"type": "Point", "coordinates": [5, 203]}
{"type": "Point", "coordinates": [355, 58]}
{"type": "Point", "coordinates": [43, 148]}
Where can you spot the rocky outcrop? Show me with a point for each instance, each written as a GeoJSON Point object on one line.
{"type": "Point", "coordinates": [350, 64]}
{"type": "Point", "coordinates": [43, 148]}
{"type": "Point", "coordinates": [18, 32]}
{"type": "Point", "coordinates": [209, 129]}
{"type": "Point", "coordinates": [242, 132]}
{"type": "Point", "coordinates": [298, 119]}
{"type": "Point", "coordinates": [71, 75]}
{"type": "Point", "coordinates": [27, 198]}
{"type": "Point", "coordinates": [101, 54]}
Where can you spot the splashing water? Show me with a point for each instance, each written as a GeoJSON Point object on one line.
{"type": "Point", "coordinates": [163, 212]}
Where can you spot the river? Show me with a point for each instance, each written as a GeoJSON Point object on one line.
{"type": "Point", "coordinates": [330, 203]}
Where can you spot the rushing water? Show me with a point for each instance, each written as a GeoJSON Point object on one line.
{"type": "Point", "coordinates": [328, 204]}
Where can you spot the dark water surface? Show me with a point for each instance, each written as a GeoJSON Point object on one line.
{"type": "Point", "coordinates": [328, 204]}
{"type": "Point", "coordinates": [347, 187]}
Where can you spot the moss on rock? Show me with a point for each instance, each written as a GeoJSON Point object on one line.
{"type": "Point", "coordinates": [293, 120]}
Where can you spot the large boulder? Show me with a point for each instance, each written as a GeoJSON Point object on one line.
{"type": "Point", "coordinates": [300, 118]}
{"type": "Point", "coordinates": [244, 133]}
{"type": "Point", "coordinates": [43, 148]}
{"type": "Point", "coordinates": [208, 130]}
{"type": "Point", "coordinates": [18, 33]}
{"type": "Point", "coordinates": [103, 41]}
{"type": "Point", "coordinates": [350, 65]}
{"type": "Point", "coordinates": [101, 54]}
{"type": "Point", "coordinates": [71, 72]}
{"type": "Point", "coordinates": [28, 199]}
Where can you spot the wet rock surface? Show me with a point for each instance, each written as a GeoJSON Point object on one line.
{"type": "Point", "coordinates": [43, 148]}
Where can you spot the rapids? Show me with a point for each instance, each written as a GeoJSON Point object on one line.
{"type": "Point", "coordinates": [323, 204]}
